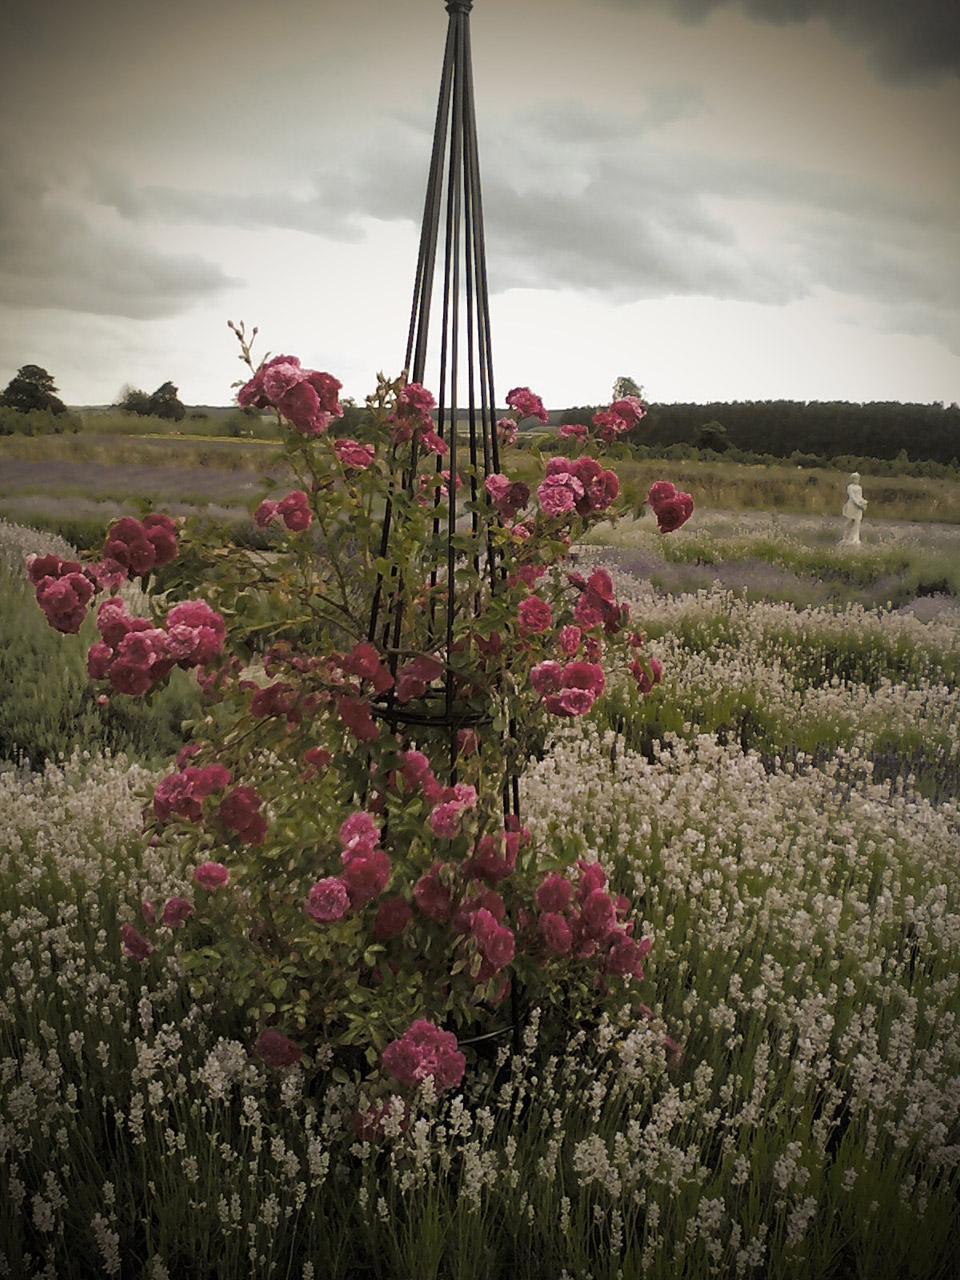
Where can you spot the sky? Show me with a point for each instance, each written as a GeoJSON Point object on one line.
{"type": "Point", "coordinates": [721, 199]}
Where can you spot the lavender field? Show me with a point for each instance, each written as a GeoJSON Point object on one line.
{"type": "Point", "coordinates": [784, 813]}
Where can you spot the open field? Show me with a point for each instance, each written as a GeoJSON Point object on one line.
{"type": "Point", "coordinates": [784, 808]}
{"type": "Point", "coordinates": [198, 467]}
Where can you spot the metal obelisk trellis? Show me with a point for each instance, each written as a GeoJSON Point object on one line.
{"type": "Point", "coordinates": [453, 202]}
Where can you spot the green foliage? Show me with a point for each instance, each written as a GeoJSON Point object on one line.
{"type": "Point", "coordinates": [37, 422]}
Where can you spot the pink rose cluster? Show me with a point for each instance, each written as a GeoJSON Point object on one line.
{"type": "Point", "coordinates": [671, 508]}
{"type": "Point", "coordinates": [526, 404]}
{"type": "Point", "coordinates": [64, 588]}
{"type": "Point", "coordinates": [181, 794]}
{"type": "Point", "coordinates": [424, 1051]}
{"type": "Point", "coordinates": [305, 397]}
{"type": "Point", "coordinates": [451, 803]}
{"type": "Point", "coordinates": [139, 548]}
{"type": "Point", "coordinates": [621, 416]}
{"type": "Point", "coordinates": [63, 591]}
{"type": "Point", "coordinates": [569, 690]}
{"type": "Point", "coordinates": [293, 510]}
{"type": "Point", "coordinates": [412, 414]}
{"type": "Point", "coordinates": [596, 605]}
{"type": "Point", "coordinates": [134, 655]}
{"type": "Point", "coordinates": [366, 870]}
{"type": "Point", "coordinates": [507, 496]}
{"type": "Point", "coordinates": [586, 923]}
{"type": "Point", "coordinates": [578, 485]}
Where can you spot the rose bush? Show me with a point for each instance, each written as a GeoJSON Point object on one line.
{"type": "Point", "coordinates": [356, 871]}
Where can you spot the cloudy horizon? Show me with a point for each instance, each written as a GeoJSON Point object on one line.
{"type": "Point", "coordinates": [723, 199]}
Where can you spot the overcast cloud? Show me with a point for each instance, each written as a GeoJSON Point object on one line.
{"type": "Point", "coordinates": [791, 161]}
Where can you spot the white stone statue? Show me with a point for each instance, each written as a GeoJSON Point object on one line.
{"type": "Point", "coordinates": [853, 510]}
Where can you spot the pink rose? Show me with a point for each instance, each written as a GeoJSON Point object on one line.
{"type": "Point", "coordinates": [432, 896]}
{"type": "Point", "coordinates": [414, 677]}
{"type": "Point", "coordinates": [359, 833]}
{"type": "Point", "coordinates": [659, 492]}
{"type": "Point", "coordinates": [592, 876]}
{"type": "Point", "coordinates": [559, 493]}
{"type": "Point", "coordinates": [265, 513]}
{"type": "Point", "coordinates": [575, 431]}
{"type": "Point", "coordinates": [424, 1050]}
{"type": "Point", "coordinates": [393, 916]}
{"type": "Point", "coordinates": [646, 676]}
{"type": "Point", "coordinates": [175, 911]}
{"type": "Point", "coordinates": [352, 454]}
{"type": "Point", "coordinates": [580, 686]}
{"type": "Point", "coordinates": [295, 511]}
{"type": "Point", "coordinates": [280, 376]}
{"type": "Point", "coordinates": [328, 900]}
{"type": "Point", "coordinates": [364, 661]}
{"type": "Point", "coordinates": [162, 533]}
{"type": "Point", "coordinates": [506, 432]}
{"type": "Point", "coordinates": [554, 893]}
{"type": "Point", "coordinates": [211, 876]}
{"type": "Point", "coordinates": [526, 404]}
{"type": "Point", "coordinates": [534, 615]}
{"type": "Point", "coordinates": [598, 913]}
{"type": "Point", "coordinates": [569, 641]}
{"type": "Point", "coordinates": [495, 942]}
{"type": "Point", "coordinates": [445, 819]}
{"type": "Point", "coordinates": [494, 857]}
{"type": "Point", "coordinates": [135, 946]}
{"type": "Point", "coordinates": [240, 811]}
{"type": "Point", "coordinates": [546, 676]}
{"type": "Point", "coordinates": [355, 714]}
{"type": "Point", "coordinates": [365, 875]}
{"type": "Point", "coordinates": [50, 566]}
{"type": "Point", "coordinates": [276, 1050]}
{"type": "Point", "coordinates": [556, 933]}
{"type": "Point", "coordinates": [671, 514]}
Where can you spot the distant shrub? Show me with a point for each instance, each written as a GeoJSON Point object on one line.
{"type": "Point", "coordinates": [37, 422]}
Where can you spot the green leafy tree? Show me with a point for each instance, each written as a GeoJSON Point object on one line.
{"type": "Point", "coordinates": [712, 435]}
{"type": "Point", "coordinates": [32, 388]}
{"type": "Point", "coordinates": [626, 387]}
{"type": "Point", "coordinates": [165, 403]}
{"type": "Point", "coordinates": [133, 400]}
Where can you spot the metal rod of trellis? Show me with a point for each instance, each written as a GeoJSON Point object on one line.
{"type": "Point", "coordinates": [453, 205]}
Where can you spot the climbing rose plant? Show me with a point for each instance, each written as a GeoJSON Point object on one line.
{"type": "Point", "coordinates": [355, 872]}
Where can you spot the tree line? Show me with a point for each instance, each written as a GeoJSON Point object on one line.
{"type": "Point", "coordinates": [826, 429]}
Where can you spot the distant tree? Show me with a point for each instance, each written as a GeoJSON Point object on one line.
{"type": "Point", "coordinates": [133, 400]}
{"type": "Point", "coordinates": [626, 387]}
{"type": "Point", "coordinates": [164, 403]}
{"type": "Point", "coordinates": [712, 435]}
{"type": "Point", "coordinates": [32, 388]}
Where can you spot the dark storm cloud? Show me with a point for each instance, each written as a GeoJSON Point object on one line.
{"type": "Point", "coordinates": [906, 39]}
{"type": "Point", "coordinates": [53, 255]}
